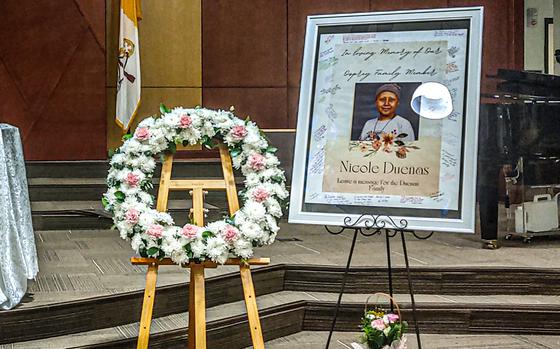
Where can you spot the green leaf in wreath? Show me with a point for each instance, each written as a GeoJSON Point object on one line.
{"type": "Point", "coordinates": [263, 135]}
{"type": "Point", "coordinates": [402, 135]}
{"type": "Point", "coordinates": [111, 152]}
{"type": "Point", "coordinates": [271, 149]}
{"type": "Point", "coordinates": [277, 179]}
{"type": "Point", "coordinates": [163, 109]}
{"type": "Point", "coordinates": [234, 152]}
{"type": "Point", "coordinates": [152, 251]}
{"type": "Point", "coordinates": [172, 147]}
{"type": "Point", "coordinates": [120, 196]}
{"type": "Point", "coordinates": [399, 143]}
{"type": "Point", "coordinates": [207, 142]}
{"type": "Point", "coordinates": [207, 234]}
{"type": "Point", "coordinates": [105, 202]}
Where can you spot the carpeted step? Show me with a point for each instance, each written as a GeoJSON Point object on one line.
{"type": "Point", "coordinates": [289, 312]}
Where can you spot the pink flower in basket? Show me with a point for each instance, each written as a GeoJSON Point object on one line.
{"type": "Point", "coordinates": [392, 318]}
{"type": "Point", "coordinates": [378, 324]}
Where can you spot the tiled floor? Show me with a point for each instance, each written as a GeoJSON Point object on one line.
{"type": "Point", "coordinates": [317, 340]}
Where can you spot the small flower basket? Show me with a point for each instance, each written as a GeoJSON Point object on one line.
{"type": "Point", "coordinates": [381, 329]}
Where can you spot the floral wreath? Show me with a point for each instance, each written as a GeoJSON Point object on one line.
{"type": "Point", "coordinates": [153, 233]}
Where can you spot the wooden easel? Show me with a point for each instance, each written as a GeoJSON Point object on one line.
{"type": "Point", "coordinates": [197, 302]}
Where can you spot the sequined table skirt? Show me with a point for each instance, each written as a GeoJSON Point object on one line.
{"type": "Point", "coordinates": [18, 255]}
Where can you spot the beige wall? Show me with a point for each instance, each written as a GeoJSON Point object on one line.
{"type": "Point", "coordinates": [534, 37]}
{"type": "Point", "coordinates": [170, 58]}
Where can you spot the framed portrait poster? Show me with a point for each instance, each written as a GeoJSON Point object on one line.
{"type": "Point", "coordinates": [388, 118]}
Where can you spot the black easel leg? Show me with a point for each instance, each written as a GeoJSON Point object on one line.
{"type": "Point", "coordinates": [389, 267]}
{"type": "Point", "coordinates": [411, 291]}
{"type": "Point", "coordinates": [342, 286]}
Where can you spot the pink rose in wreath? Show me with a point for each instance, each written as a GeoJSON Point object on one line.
{"type": "Point", "coordinates": [185, 121]}
{"type": "Point", "coordinates": [260, 194]}
{"type": "Point", "coordinates": [155, 230]}
{"type": "Point", "coordinates": [256, 162]}
{"type": "Point", "coordinates": [142, 133]}
{"type": "Point", "coordinates": [230, 233]}
{"type": "Point", "coordinates": [189, 231]}
{"type": "Point", "coordinates": [238, 132]}
{"type": "Point", "coordinates": [131, 216]}
{"type": "Point", "coordinates": [132, 179]}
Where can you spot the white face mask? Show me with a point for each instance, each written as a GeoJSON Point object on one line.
{"type": "Point", "coordinates": [432, 100]}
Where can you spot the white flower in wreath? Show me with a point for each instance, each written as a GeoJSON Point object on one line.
{"type": "Point", "coordinates": [251, 230]}
{"type": "Point", "coordinates": [223, 120]}
{"type": "Point", "coordinates": [252, 179]}
{"type": "Point", "coordinates": [146, 198]}
{"type": "Point", "coordinates": [254, 210]}
{"type": "Point", "coordinates": [243, 248]}
{"type": "Point", "coordinates": [217, 249]}
{"type": "Point", "coordinates": [137, 243]}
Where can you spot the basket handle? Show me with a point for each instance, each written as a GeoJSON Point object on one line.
{"type": "Point", "coordinates": [391, 299]}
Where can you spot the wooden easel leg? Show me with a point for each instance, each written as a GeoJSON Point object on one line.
{"type": "Point", "coordinates": [251, 304]}
{"type": "Point", "coordinates": [147, 306]}
{"type": "Point", "coordinates": [197, 308]}
{"type": "Point", "coordinates": [192, 312]}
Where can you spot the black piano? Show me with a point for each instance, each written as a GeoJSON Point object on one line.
{"type": "Point", "coordinates": [521, 121]}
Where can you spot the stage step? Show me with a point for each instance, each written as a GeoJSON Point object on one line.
{"type": "Point", "coordinates": [98, 168]}
{"type": "Point", "coordinates": [89, 214]}
{"type": "Point", "coordinates": [508, 310]}
{"type": "Point", "coordinates": [67, 195]}
{"type": "Point", "coordinates": [289, 312]}
{"type": "Point", "coordinates": [92, 189]}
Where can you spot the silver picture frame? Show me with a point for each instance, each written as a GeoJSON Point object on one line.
{"type": "Point", "coordinates": [463, 220]}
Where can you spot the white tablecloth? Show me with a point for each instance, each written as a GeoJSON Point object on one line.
{"type": "Point", "coordinates": [18, 255]}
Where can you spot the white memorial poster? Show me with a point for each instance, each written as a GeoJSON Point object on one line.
{"type": "Point", "coordinates": [367, 146]}
{"type": "Point", "coordinates": [388, 120]}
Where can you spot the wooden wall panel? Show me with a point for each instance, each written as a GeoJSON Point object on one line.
{"type": "Point", "coordinates": [267, 106]}
{"type": "Point", "coordinates": [502, 41]}
{"type": "Point", "coordinates": [381, 5]}
{"type": "Point", "coordinates": [245, 58]}
{"type": "Point", "coordinates": [297, 19]}
{"type": "Point", "coordinates": [244, 43]}
{"type": "Point", "coordinates": [50, 55]}
{"type": "Point", "coordinates": [70, 122]}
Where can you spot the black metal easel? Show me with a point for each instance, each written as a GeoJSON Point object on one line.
{"type": "Point", "coordinates": [368, 225]}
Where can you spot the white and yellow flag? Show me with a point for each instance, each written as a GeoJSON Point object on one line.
{"type": "Point", "coordinates": [128, 79]}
